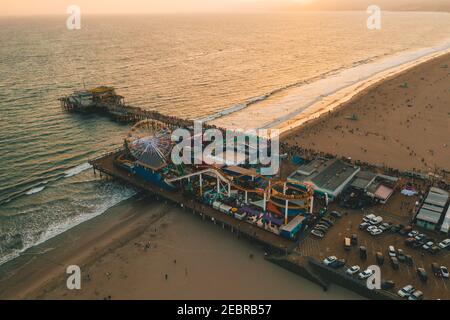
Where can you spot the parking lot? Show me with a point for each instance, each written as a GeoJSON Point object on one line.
{"type": "Point", "coordinates": [397, 212]}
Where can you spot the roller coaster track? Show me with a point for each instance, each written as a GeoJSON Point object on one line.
{"type": "Point", "coordinates": [269, 190]}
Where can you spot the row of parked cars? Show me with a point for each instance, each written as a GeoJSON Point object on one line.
{"type": "Point", "coordinates": [410, 293]}
{"type": "Point", "coordinates": [374, 225]}
{"type": "Point", "coordinates": [398, 255]}
{"type": "Point", "coordinates": [324, 224]}
{"type": "Point", "coordinates": [423, 242]}
{"type": "Point", "coordinates": [336, 263]}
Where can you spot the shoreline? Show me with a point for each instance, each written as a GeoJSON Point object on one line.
{"type": "Point", "coordinates": [397, 123]}
{"type": "Point", "coordinates": [322, 100]}
{"type": "Point", "coordinates": [39, 265]}
{"type": "Point", "coordinates": [354, 92]}
{"type": "Point", "coordinates": [139, 240]}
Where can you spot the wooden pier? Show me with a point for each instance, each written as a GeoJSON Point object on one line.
{"type": "Point", "coordinates": [104, 100]}
{"type": "Point", "coordinates": [105, 165]}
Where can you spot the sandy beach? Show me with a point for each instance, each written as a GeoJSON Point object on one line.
{"type": "Point", "coordinates": [402, 122]}
{"type": "Point", "coordinates": [127, 252]}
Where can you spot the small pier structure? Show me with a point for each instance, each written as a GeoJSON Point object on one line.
{"type": "Point", "coordinates": [105, 100]}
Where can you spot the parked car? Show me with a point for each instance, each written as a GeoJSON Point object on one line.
{"type": "Point", "coordinates": [427, 246]}
{"type": "Point", "coordinates": [376, 221]}
{"type": "Point", "coordinates": [338, 264]}
{"type": "Point", "coordinates": [329, 260]}
{"type": "Point", "coordinates": [336, 214]}
{"type": "Point", "coordinates": [394, 263]}
{"type": "Point", "coordinates": [363, 253]}
{"type": "Point", "coordinates": [353, 270]}
{"type": "Point", "coordinates": [416, 295]}
{"type": "Point", "coordinates": [444, 272]}
{"type": "Point", "coordinates": [321, 227]}
{"type": "Point", "coordinates": [347, 244]}
{"type": "Point", "coordinates": [317, 233]}
{"type": "Point", "coordinates": [409, 260]}
{"type": "Point", "coordinates": [420, 237]}
{"type": "Point", "coordinates": [413, 233]}
{"type": "Point", "coordinates": [385, 226]}
{"type": "Point", "coordinates": [364, 225]}
{"type": "Point", "coordinates": [406, 291]}
{"type": "Point", "coordinates": [354, 239]}
{"type": "Point", "coordinates": [327, 221]}
{"type": "Point", "coordinates": [376, 232]}
{"type": "Point", "coordinates": [395, 228]}
{"type": "Point", "coordinates": [369, 217]}
{"type": "Point", "coordinates": [392, 252]}
{"type": "Point", "coordinates": [434, 250]}
{"type": "Point", "coordinates": [387, 285]}
{"type": "Point", "coordinates": [422, 274]}
{"type": "Point", "coordinates": [371, 228]}
{"type": "Point", "coordinates": [401, 255]}
{"type": "Point", "coordinates": [366, 274]}
{"type": "Point", "coordinates": [380, 258]}
{"type": "Point", "coordinates": [435, 268]}
{"type": "Point", "coordinates": [417, 244]}
{"type": "Point", "coordinates": [445, 244]}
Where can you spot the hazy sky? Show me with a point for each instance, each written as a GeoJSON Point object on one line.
{"type": "Point", "coordinates": [27, 7]}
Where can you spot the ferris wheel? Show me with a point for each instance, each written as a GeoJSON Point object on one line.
{"type": "Point", "coordinates": [149, 142]}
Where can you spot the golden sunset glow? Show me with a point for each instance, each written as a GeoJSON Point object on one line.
{"type": "Point", "coordinates": [54, 7]}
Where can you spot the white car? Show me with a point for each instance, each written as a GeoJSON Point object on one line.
{"type": "Point", "coordinates": [416, 295]}
{"type": "Point", "coordinates": [445, 244]}
{"type": "Point", "coordinates": [369, 217]}
{"type": "Point", "coordinates": [353, 270]}
{"type": "Point", "coordinates": [366, 274]}
{"type": "Point", "coordinates": [413, 234]}
{"type": "Point", "coordinates": [392, 252]}
{"type": "Point", "coordinates": [329, 260]}
{"type": "Point", "coordinates": [376, 221]}
{"type": "Point", "coordinates": [405, 292]}
{"type": "Point", "coordinates": [376, 232]}
{"type": "Point", "coordinates": [371, 228]}
{"type": "Point", "coordinates": [428, 245]}
{"type": "Point", "coordinates": [444, 272]}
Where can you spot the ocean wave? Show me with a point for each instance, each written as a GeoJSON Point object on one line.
{"type": "Point", "coordinates": [35, 190]}
{"type": "Point", "coordinates": [254, 100]}
{"type": "Point", "coordinates": [29, 240]}
{"type": "Point", "coordinates": [77, 170]}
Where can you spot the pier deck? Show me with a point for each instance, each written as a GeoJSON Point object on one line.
{"type": "Point", "coordinates": [106, 166]}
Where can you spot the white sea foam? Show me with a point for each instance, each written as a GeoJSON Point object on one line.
{"type": "Point", "coordinates": [293, 105]}
{"type": "Point", "coordinates": [58, 228]}
{"type": "Point", "coordinates": [35, 190]}
{"type": "Point", "coordinates": [77, 170]}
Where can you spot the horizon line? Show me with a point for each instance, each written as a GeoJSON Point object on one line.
{"type": "Point", "coordinates": [228, 12]}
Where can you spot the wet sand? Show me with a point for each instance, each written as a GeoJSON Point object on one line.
{"type": "Point", "coordinates": [127, 252]}
{"type": "Point", "coordinates": [402, 122]}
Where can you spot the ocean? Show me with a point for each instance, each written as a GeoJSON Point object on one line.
{"type": "Point", "coordinates": [192, 66]}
